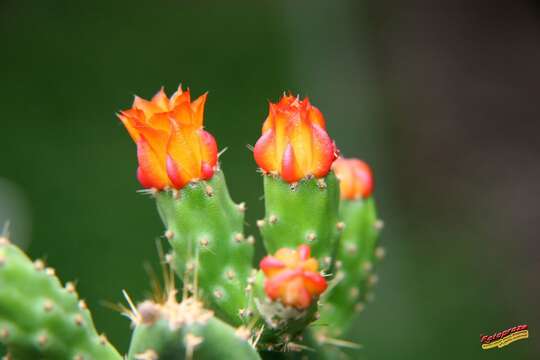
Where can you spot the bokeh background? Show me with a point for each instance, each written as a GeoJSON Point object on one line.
{"type": "Point", "coordinates": [441, 97]}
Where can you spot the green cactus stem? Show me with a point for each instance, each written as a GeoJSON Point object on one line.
{"type": "Point", "coordinates": [210, 250]}
{"type": "Point", "coordinates": [302, 213]}
{"type": "Point", "coordinates": [185, 330]}
{"type": "Point", "coordinates": [356, 259]}
{"type": "Point", "coordinates": [40, 318]}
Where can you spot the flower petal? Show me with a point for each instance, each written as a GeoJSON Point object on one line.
{"type": "Point", "coordinates": [207, 171]}
{"type": "Point", "coordinates": [264, 152]}
{"type": "Point", "coordinates": [295, 294]}
{"type": "Point", "coordinates": [178, 177]}
{"type": "Point", "coordinates": [179, 97]}
{"type": "Point", "coordinates": [323, 151]}
{"type": "Point", "coordinates": [160, 121]}
{"type": "Point", "coordinates": [289, 166]}
{"type": "Point", "coordinates": [129, 123]}
{"type": "Point", "coordinates": [300, 138]}
{"type": "Point", "coordinates": [315, 283]}
{"type": "Point", "coordinates": [270, 265]}
{"type": "Point", "coordinates": [183, 115]}
{"type": "Point", "coordinates": [275, 285]}
{"type": "Point", "coordinates": [316, 116]}
{"type": "Point", "coordinates": [148, 107]}
{"type": "Point", "coordinates": [197, 107]}
{"type": "Point", "coordinates": [151, 172]}
{"type": "Point", "coordinates": [362, 172]}
{"type": "Point", "coordinates": [180, 149]}
{"type": "Point", "coordinates": [209, 150]}
{"type": "Point", "coordinates": [161, 100]}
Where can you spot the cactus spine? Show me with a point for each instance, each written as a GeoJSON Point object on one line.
{"type": "Point", "coordinates": [40, 318]}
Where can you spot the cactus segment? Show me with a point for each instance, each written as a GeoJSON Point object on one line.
{"type": "Point", "coordinates": [176, 331]}
{"type": "Point", "coordinates": [210, 250]}
{"type": "Point", "coordinates": [41, 319]}
{"type": "Point", "coordinates": [356, 259]}
{"type": "Point", "coordinates": [280, 323]}
{"type": "Point", "coordinates": [302, 213]}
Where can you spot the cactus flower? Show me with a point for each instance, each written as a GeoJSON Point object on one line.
{"type": "Point", "coordinates": [172, 147]}
{"type": "Point", "coordinates": [355, 178]}
{"type": "Point", "coordinates": [294, 142]}
{"type": "Point", "coordinates": [292, 277]}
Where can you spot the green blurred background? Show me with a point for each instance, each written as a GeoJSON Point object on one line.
{"type": "Point", "coordinates": [442, 98]}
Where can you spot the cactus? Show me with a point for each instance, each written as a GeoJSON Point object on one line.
{"type": "Point", "coordinates": [205, 227]}
{"type": "Point", "coordinates": [356, 259]}
{"type": "Point", "coordinates": [211, 340]}
{"type": "Point", "coordinates": [185, 330]}
{"type": "Point", "coordinates": [301, 193]}
{"type": "Point", "coordinates": [40, 318]}
{"type": "Point", "coordinates": [301, 199]}
{"type": "Point", "coordinates": [318, 271]}
{"type": "Point", "coordinates": [357, 254]}
{"type": "Point", "coordinates": [289, 222]}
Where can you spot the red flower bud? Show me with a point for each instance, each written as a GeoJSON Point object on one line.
{"type": "Point", "coordinates": [172, 147]}
{"type": "Point", "coordinates": [292, 277]}
{"type": "Point", "coordinates": [294, 142]}
{"type": "Point", "coordinates": [355, 178]}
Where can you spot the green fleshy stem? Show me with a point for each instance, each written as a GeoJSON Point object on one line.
{"type": "Point", "coordinates": [302, 213]}
{"type": "Point", "coordinates": [198, 335]}
{"type": "Point", "coordinates": [41, 319]}
{"type": "Point", "coordinates": [356, 260]}
{"type": "Point", "coordinates": [210, 250]}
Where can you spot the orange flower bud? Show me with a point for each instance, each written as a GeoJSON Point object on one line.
{"type": "Point", "coordinates": [292, 277]}
{"type": "Point", "coordinates": [355, 178]}
{"type": "Point", "coordinates": [172, 147]}
{"type": "Point", "coordinates": [294, 141]}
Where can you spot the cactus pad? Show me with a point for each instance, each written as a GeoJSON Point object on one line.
{"type": "Point", "coordinates": [205, 230]}
{"type": "Point", "coordinates": [40, 318]}
{"type": "Point", "coordinates": [185, 330]}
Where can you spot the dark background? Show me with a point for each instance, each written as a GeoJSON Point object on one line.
{"type": "Point", "coordinates": [441, 97]}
